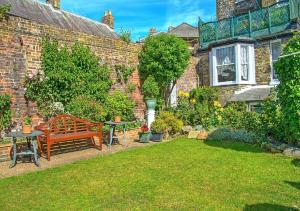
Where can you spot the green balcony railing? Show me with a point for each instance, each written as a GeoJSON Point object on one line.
{"type": "Point", "coordinates": [265, 21]}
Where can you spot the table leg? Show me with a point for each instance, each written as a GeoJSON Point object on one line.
{"type": "Point", "coordinates": [111, 135]}
{"type": "Point", "coordinates": [124, 136]}
{"type": "Point", "coordinates": [14, 161]}
{"type": "Point", "coordinates": [35, 151]}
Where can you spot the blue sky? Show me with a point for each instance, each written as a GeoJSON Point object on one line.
{"type": "Point", "coordinates": [139, 16]}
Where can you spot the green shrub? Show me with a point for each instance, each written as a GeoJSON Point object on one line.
{"type": "Point", "coordinates": [168, 119]}
{"type": "Point", "coordinates": [119, 104]}
{"type": "Point", "coordinates": [273, 120]}
{"type": "Point", "coordinates": [150, 88]}
{"type": "Point", "coordinates": [288, 71]}
{"type": "Point", "coordinates": [67, 74]}
{"type": "Point", "coordinates": [220, 134]}
{"type": "Point", "coordinates": [159, 126]}
{"type": "Point", "coordinates": [4, 9]}
{"type": "Point", "coordinates": [244, 136]}
{"type": "Point", "coordinates": [205, 95]}
{"type": "Point", "coordinates": [224, 134]}
{"type": "Point", "coordinates": [5, 112]}
{"type": "Point", "coordinates": [125, 35]}
{"type": "Point", "coordinates": [87, 108]}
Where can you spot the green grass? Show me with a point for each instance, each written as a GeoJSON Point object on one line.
{"type": "Point", "coordinates": [181, 175]}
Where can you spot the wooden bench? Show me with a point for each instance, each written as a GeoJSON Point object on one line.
{"type": "Point", "coordinates": [68, 128]}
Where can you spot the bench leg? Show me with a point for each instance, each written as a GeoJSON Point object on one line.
{"type": "Point", "coordinates": [39, 142]}
{"type": "Point", "coordinates": [100, 141]}
{"type": "Point", "coordinates": [48, 150]}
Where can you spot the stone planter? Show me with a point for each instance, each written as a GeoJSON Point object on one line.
{"type": "Point", "coordinates": [157, 137]}
{"type": "Point", "coordinates": [151, 103]}
{"type": "Point", "coordinates": [144, 137]}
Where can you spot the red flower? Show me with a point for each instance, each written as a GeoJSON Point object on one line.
{"type": "Point", "coordinates": [144, 128]}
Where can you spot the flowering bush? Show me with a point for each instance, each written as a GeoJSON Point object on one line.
{"type": "Point", "coordinates": [144, 128]}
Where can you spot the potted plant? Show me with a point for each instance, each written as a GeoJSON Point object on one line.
{"type": "Point", "coordinates": [151, 91]}
{"type": "Point", "coordinates": [27, 125]}
{"type": "Point", "coordinates": [118, 117]}
{"type": "Point", "coordinates": [158, 130]}
{"type": "Point", "coordinates": [145, 134]}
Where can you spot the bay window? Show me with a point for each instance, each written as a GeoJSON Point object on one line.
{"type": "Point", "coordinates": [233, 64]}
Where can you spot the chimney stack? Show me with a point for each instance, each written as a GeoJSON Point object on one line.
{"type": "Point", "coordinates": [108, 19]}
{"type": "Point", "coordinates": [152, 31]}
{"type": "Point", "coordinates": [54, 3]}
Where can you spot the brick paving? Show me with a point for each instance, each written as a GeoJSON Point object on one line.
{"type": "Point", "coordinates": [65, 158]}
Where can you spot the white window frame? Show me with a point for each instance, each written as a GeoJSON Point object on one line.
{"type": "Point", "coordinates": [273, 80]}
{"type": "Point", "coordinates": [237, 47]}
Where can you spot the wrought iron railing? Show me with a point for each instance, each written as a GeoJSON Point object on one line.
{"type": "Point", "coordinates": [265, 21]}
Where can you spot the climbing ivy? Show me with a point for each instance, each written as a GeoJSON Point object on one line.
{"type": "Point", "coordinates": [288, 71]}
{"type": "Point", "coordinates": [5, 111]}
{"type": "Point", "coordinates": [67, 73]}
{"type": "Point", "coordinates": [4, 10]}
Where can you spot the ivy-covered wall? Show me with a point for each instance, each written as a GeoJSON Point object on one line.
{"type": "Point", "coordinates": [20, 55]}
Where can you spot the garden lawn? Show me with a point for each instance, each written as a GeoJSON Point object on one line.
{"type": "Point", "coordinates": [183, 174]}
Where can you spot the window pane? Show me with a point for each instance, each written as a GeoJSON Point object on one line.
{"type": "Point", "coordinates": [276, 51]}
{"type": "Point", "coordinates": [226, 64]}
{"type": "Point", "coordinates": [244, 63]}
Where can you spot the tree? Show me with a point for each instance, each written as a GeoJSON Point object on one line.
{"type": "Point", "coordinates": [288, 71]}
{"type": "Point", "coordinates": [125, 35]}
{"type": "Point", "coordinates": [165, 57]}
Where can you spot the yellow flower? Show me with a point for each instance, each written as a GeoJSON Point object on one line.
{"type": "Point", "coordinates": [217, 104]}
{"type": "Point", "coordinates": [220, 118]}
{"type": "Point", "coordinates": [181, 93]}
{"type": "Point", "coordinates": [193, 101]}
{"type": "Point", "coordinates": [186, 94]}
{"type": "Point", "coordinates": [222, 109]}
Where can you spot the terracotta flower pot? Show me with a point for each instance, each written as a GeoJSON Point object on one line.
{"type": "Point", "coordinates": [26, 129]}
{"type": "Point", "coordinates": [117, 119]}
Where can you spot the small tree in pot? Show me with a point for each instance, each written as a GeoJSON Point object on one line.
{"type": "Point", "coordinates": [151, 91]}
{"type": "Point", "coordinates": [158, 129]}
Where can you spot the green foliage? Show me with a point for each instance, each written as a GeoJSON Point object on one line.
{"type": "Point", "coordinates": [67, 74]}
{"type": "Point", "coordinates": [4, 9]}
{"type": "Point", "coordinates": [87, 108]}
{"type": "Point", "coordinates": [27, 120]}
{"type": "Point", "coordinates": [125, 35]}
{"type": "Point", "coordinates": [150, 88]}
{"type": "Point", "coordinates": [119, 104]}
{"type": "Point", "coordinates": [205, 94]}
{"type": "Point", "coordinates": [165, 57]}
{"type": "Point", "coordinates": [159, 126]}
{"type": "Point", "coordinates": [170, 124]}
{"type": "Point", "coordinates": [131, 88]}
{"type": "Point", "coordinates": [288, 71]}
{"type": "Point", "coordinates": [220, 134]}
{"type": "Point", "coordinates": [123, 73]}
{"type": "Point", "coordinates": [5, 111]}
{"type": "Point", "coordinates": [241, 135]}
{"type": "Point", "coordinates": [273, 120]}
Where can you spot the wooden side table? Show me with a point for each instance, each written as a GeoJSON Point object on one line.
{"type": "Point", "coordinates": [112, 129]}
{"type": "Point", "coordinates": [31, 148]}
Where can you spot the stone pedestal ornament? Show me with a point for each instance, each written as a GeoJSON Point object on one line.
{"type": "Point", "coordinates": [151, 104]}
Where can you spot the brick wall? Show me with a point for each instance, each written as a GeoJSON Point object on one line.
{"type": "Point", "coordinates": [20, 54]}
{"type": "Point", "coordinates": [189, 80]}
{"type": "Point", "coordinates": [5, 152]}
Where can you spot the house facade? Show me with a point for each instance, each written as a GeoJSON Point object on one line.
{"type": "Point", "coordinates": [238, 51]}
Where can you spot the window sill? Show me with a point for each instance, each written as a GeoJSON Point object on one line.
{"type": "Point", "coordinates": [274, 83]}
{"type": "Point", "coordinates": [235, 83]}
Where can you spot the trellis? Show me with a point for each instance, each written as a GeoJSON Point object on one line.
{"type": "Point", "coordinates": [265, 21]}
